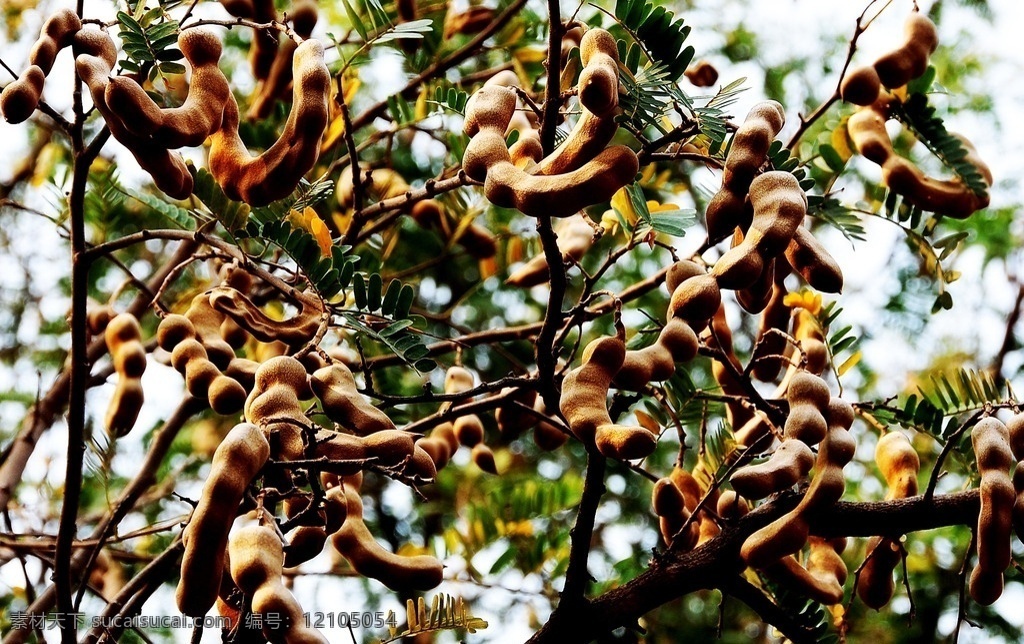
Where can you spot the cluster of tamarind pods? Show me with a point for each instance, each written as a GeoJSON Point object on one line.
{"type": "Point", "coordinates": [153, 133]}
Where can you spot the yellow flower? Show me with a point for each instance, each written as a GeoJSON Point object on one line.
{"type": "Point", "coordinates": [804, 299]}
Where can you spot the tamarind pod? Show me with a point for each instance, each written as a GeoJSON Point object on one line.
{"type": "Point", "coordinates": [509, 417]}
{"type": "Point", "coordinates": [776, 540]}
{"type": "Point", "coordinates": [421, 465]}
{"type": "Point", "coordinates": [755, 297]}
{"type": "Point", "coordinates": [295, 331]}
{"type": "Point", "coordinates": [731, 505]}
{"type": "Point", "coordinates": [473, 20]}
{"type": "Point", "coordinates": [274, 174]}
{"type": "Point", "coordinates": [866, 128]}
{"type": "Point", "coordinates": [679, 338]}
{"type": "Point", "coordinates": [688, 485]}
{"type": "Point", "coordinates": [469, 430]}
{"type": "Point", "coordinates": [949, 198]}
{"type": "Point", "coordinates": [197, 118]}
{"type": "Point", "coordinates": [523, 120]}
{"type": "Point", "coordinates": [236, 462]}
{"type": "Point", "coordinates": [243, 371]}
{"type": "Point", "coordinates": [701, 74]}
{"type": "Point", "coordinates": [584, 391]}
{"type": "Point", "coordinates": [457, 380]}
{"type": "Point", "coordinates": [624, 443]}
{"type": "Point", "coordinates": [349, 452]}
{"type": "Point", "coordinates": [226, 395]}
{"type": "Point", "coordinates": [57, 33]}
{"type": "Point", "coordinates": [123, 339]}
{"type": "Point", "coordinates": [124, 406]}
{"type": "Point", "coordinates": [390, 447]}
{"type": "Point", "coordinates": [187, 351]}
{"type": "Point", "coordinates": [899, 67]}
{"type": "Point", "coordinates": [304, 543]}
{"type": "Point", "coordinates": [20, 98]}
{"type": "Point", "coordinates": [818, 584]}
{"type": "Point", "coordinates": [813, 262]}
{"type": "Point", "coordinates": [808, 397]}
{"type": "Point", "coordinates": [547, 436]}
{"type": "Point", "coordinates": [899, 463]}
{"type": "Point", "coordinates": [565, 194]}
{"type": "Point", "coordinates": [780, 206]}
{"type": "Point", "coordinates": [355, 542]}
{"type": "Point", "coordinates": [789, 463]}
{"type": "Point", "coordinates": [875, 586]}
{"type": "Point", "coordinates": [681, 271]}
{"type": "Point", "coordinates": [206, 322]}
{"type": "Point", "coordinates": [335, 386]}
{"type": "Point", "coordinates": [696, 300]}
{"type": "Point", "coordinates": [281, 370]}
{"type": "Point", "coordinates": [599, 79]}
{"type": "Point", "coordinates": [668, 503]}
{"type": "Point", "coordinates": [861, 86]}
{"type": "Point", "coordinates": [483, 457]}
{"type": "Point", "coordinates": [406, 10]}
{"type": "Point", "coordinates": [446, 432]}
{"type": "Point", "coordinates": [239, 8]}
{"type": "Point", "coordinates": [256, 555]}
{"type": "Point", "coordinates": [770, 341]}
{"type": "Point", "coordinates": [437, 449]}
{"type": "Point", "coordinates": [335, 509]}
{"type": "Point", "coordinates": [643, 366]}
{"type": "Point", "coordinates": [991, 441]}
{"type": "Point", "coordinates": [303, 16]}
{"type": "Point", "coordinates": [726, 211]}
{"type": "Point", "coordinates": [985, 586]}
{"type": "Point", "coordinates": [575, 236]}
{"type": "Point", "coordinates": [173, 330]}
{"type": "Point", "coordinates": [289, 625]}
{"type": "Point", "coordinates": [263, 48]}
{"type": "Point", "coordinates": [590, 135]}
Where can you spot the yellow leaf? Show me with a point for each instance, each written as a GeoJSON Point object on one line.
{"type": "Point", "coordinates": [334, 133]}
{"type": "Point", "coordinates": [849, 363]}
{"type": "Point", "coordinates": [840, 141]}
{"type": "Point", "coordinates": [321, 233]}
{"type": "Point", "coordinates": [420, 112]}
{"type": "Point", "coordinates": [529, 54]}
{"type": "Point", "coordinates": [342, 219]}
{"type": "Point", "coordinates": [647, 422]}
{"type": "Point", "coordinates": [488, 268]}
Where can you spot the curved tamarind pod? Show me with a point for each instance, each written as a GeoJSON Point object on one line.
{"type": "Point", "coordinates": [94, 66]}
{"type": "Point", "coordinates": [203, 379]}
{"type": "Point", "coordinates": [748, 152]}
{"type": "Point", "coordinates": [899, 67]}
{"type": "Point", "coordinates": [681, 271]}
{"type": "Point", "coordinates": [20, 98]}
{"type": "Point", "coordinates": [669, 504]}
{"type": "Point", "coordinates": [808, 397]}
{"type": "Point", "coordinates": [236, 462]}
{"type": "Point", "coordinates": [257, 560]}
{"type": "Point", "coordinates": [696, 300]}
{"type": "Point", "coordinates": [779, 205]}
{"type": "Point", "coordinates": [520, 121]}
{"type": "Point", "coordinates": [295, 331]}
{"type": "Point", "coordinates": [599, 97]}
{"type": "Point", "coordinates": [391, 447]}
{"type": "Point", "coordinates": [720, 336]}
{"type": "Point", "coordinates": [625, 443]}
{"type": "Point", "coordinates": [813, 262]}
{"type": "Point", "coordinates": [823, 578]}
{"type": "Point", "coordinates": [1015, 433]}
{"type": "Point", "coordinates": [676, 343]}
{"type": "Point", "coordinates": [789, 463]}
{"type": "Point", "coordinates": [123, 337]}
{"type": "Point", "coordinates": [273, 405]}
{"type": "Point", "coordinates": [755, 297]}
{"type": "Point", "coordinates": [355, 542]}
{"type": "Point", "coordinates": [274, 174]}
{"type": "Point", "coordinates": [585, 388]}
{"type": "Point", "coordinates": [511, 419]}
{"type": "Point", "coordinates": [990, 438]}
{"type": "Point", "coordinates": [303, 16]}
{"type": "Point", "coordinates": [547, 436]}
{"type": "Point", "coordinates": [875, 587]}
{"type": "Point", "coordinates": [770, 338]}
{"type": "Point", "coordinates": [207, 321]}
{"type": "Point", "coordinates": [950, 198]}
{"type": "Point", "coordinates": [197, 118]}
{"type": "Point", "coordinates": [487, 159]}
{"type": "Point", "coordinates": [575, 237]}
{"type": "Point", "coordinates": [342, 402]}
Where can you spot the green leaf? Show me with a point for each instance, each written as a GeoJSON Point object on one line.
{"type": "Point", "coordinates": [359, 291]}
{"type": "Point", "coordinates": [373, 292]}
{"type": "Point", "coordinates": [394, 328]}
{"type": "Point", "coordinates": [179, 216]}
{"type": "Point", "coordinates": [357, 23]}
{"type": "Point", "coordinates": [673, 222]}
{"type": "Point", "coordinates": [387, 307]}
{"type": "Point", "coordinates": [405, 300]}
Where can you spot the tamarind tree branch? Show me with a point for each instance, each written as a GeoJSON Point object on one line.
{"type": "Point", "coordinates": [717, 562]}
{"type": "Point", "coordinates": [576, 575]}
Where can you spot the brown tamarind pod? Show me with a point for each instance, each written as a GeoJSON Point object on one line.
{"type": "Point", "coordinates": [625, 443]}
{"type": "Point", "coordinates": [990, 438]}
{"type": "Point", "coordinates": [899, 463]}
{"type": "Point", "coordinates": [748, 152]}
{"type": "Point", "coordinates": [823, 578]}
{"type": "Point", "coordinates": [669, 504]}
{"type": "Point", "coordinates": [197, 118]}
{"type": "Point", "coordinates": [769, 349]}
{"type": "Point", "coordinates": [547, 436]}
{"type": "Point", "coordinates": [899, 67]}
{"type": "Point", "coordinates": [483, 457]}
{"type": "Point", "coordinates": [1015, 434]}
{"type": "Point", "coordinates": [264, 45]}
{"type": "Point", "coordinates": [355, 542]}
{"type": "Point", "coordinates": [575, 237]}
{"type": "Point", "coordinates": [861, 86]}
{"type": "Point", "coordinates": [779, 206]}
{"type": "Point", "coordinates": [681, 271]}
{"type": "Point", "coordinates": [123, 337]}
{"type": "Point", "coordinates": [755, 297]}
{"type": "Point", "coordinates": [469, 430]}
{"type": "Point", "coordinates": [875, 586]}
{"type": "Point", "coordinates": [236, 462]}
{"type": "Point", "coordinates": [789, 463]}
{"type": "Point", "coordinates": [303, 15]}
{"type": "Point", "coordinates": [341, 401]}
{"type": "Point", "coordinates": [808, 397]}
{"type": "Point", "coordinates": [295, 331]}
{"type": "Point", "coordinates": [421, 465]}
{"type": "Point", "coordinates": [731, 505]}
{"type": "Point", "coordinates": [701, 74]}
{"type": "Point", "coordinates": [20, 98]}
{"type": "Point", "coordinates": [274, 406]}
{"type": "Point", "coordinates": [511, 419]}
{"type": "Point", "coordinates": [95, 59]}
{"type": "Point", "coordinates": [274, 174]}
{"type": "Point", "coordinates": [676, 343]}
{"type": "Point", "coordinates": [813, 263]}
{"type": "Point", "coordinates": [696, 300]}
